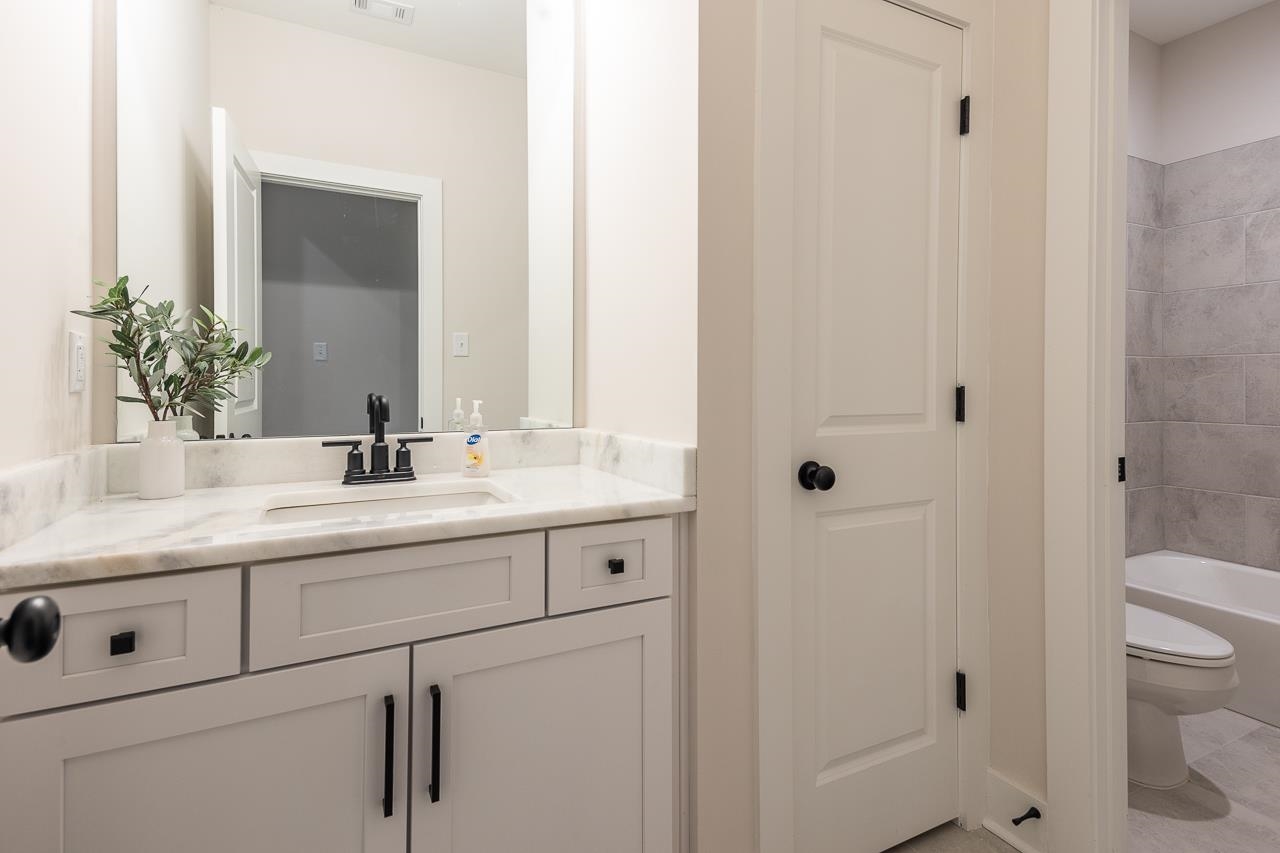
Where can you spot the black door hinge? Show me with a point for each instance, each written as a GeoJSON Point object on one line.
{"type": "Point", "coordinates": [1121, 469]}
{"type": "Point", "coordinates": [962, 701]}
{"type": "Point", "coordinates": [964, 116]}
{"type": "Point", "coordinates": [960, 394]}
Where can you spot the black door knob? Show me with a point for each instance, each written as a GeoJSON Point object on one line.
{"type": "Point", "coordinates": [814, 476]}
{"type": "Point", "coordinates": [31, 631]}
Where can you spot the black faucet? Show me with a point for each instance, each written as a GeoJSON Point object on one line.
{"type": "Point", "coordinates": [379, 415]}
{"type": "Point", "coordinates": [380, 470]}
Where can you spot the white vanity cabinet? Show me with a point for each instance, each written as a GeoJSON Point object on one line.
{"type": "Point", "coordinates": [424, 686]}
{"type": "Point", "coordinates": [292, 760]}
{"type": "Point", "coordinates": [551, 737]}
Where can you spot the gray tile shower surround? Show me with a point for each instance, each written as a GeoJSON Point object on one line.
{"type": "Point", "coordinates": [1203, 355]}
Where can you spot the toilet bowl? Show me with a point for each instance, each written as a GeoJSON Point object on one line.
{"type": "Point", "coordinates": [1174, 668]}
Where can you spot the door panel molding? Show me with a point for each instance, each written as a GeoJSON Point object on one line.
{"type": "Point", "coordinates": [775, 262]}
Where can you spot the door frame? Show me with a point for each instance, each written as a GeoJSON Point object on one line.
{"type": "Point", "coordinates": [428, 194]}
{"type": "Point", "coordinates": [771, 422]}
{"type": "Point", "coordinates": [1084, 511]}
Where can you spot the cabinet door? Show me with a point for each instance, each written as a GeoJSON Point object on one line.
{"type": "Point", "coordinates": [287, 761]}
{"type": "Point", "coordinates": [551, 737]}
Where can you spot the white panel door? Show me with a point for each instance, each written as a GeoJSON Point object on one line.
{"type": "Point", "coordinates": [237, 265]}
{"type": "Point", "coordinates": [875, 293]}
{"type": "Point", "coordinates": [294, 760]}
{"type": "Point", "coordinates": [551, 737]}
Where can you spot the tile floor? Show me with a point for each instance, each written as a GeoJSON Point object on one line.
{"type": "Point", "coordinates": [950, 838]}
{"type": "Point", "coordinates": [1231, 804]}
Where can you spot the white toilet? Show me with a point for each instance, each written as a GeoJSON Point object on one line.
{"type": "Point", "coordinates": [1175, 668]}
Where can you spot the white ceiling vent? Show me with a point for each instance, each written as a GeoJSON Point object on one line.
{"type": "Point", "coordinates": [387, 10]}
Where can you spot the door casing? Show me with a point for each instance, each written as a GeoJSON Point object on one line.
{"type": "Point", "coordinates": [772, 472]}
{"type": "Point", "coordinates": [427, 194]}
{"type": "Point", "coordinates": [1084, 516]}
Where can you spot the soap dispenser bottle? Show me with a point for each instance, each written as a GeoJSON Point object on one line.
{"type": "Point", "coordinates": [458, 420]}
{"type": "Point", "coordinates": [475, 456]}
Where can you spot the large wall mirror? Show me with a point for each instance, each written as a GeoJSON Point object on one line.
{"type": "Point", "coordinates": [379, 193]}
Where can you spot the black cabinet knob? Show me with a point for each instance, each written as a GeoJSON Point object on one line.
{"type": "Point", "coordinates": [814, 476]}
{"type": "Point", "coordinates": [617, 565]}
{"type": "Point", "coordinates": [31, 631]}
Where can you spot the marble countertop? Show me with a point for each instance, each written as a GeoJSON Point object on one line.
{"type": "Point", "coordinates": [120, 535]}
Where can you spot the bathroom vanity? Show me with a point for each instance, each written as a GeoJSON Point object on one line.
{"type": "Point", "coordinates": [477, 677]}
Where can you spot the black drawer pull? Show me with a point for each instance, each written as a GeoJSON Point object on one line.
{"type": "Point", "coordinates": [389, 756]}
{"type": "Point", "coordinates": [124, 643]}
{"type": "Point", "coordinates": [617, 565]}
{"type": "Point", "coordinates": [433, 787]}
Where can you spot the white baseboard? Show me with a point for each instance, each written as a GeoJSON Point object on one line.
{"type": "Point", "coordinates": [1005, 801]}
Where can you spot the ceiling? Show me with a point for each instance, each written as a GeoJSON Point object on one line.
{"type": "Point", "coordinates": [1163, 21]}
{"type": "Point", "coordinates": [482, 33]}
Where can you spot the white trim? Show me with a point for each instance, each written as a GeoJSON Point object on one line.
{"type": "Point", "coordinates": [428, 194]}
{"type": "Point", "coordinates": [774, 206]}
{"type": "Point", "coordinates": [1005, 801]}
{"type": "Point", "coordinates": [1084, 429]}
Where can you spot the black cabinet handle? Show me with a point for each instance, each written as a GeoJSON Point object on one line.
{"type": "Point", "coordinates": [814, 476]}
{"type": "Point", "coordinates": [124, 643]}
{"type": "Point", "coordinates": [617, 565]}
{"type": "Point", "coordinates": [433, 787]}
{"type": "Point", "coordinates": [389, 756]}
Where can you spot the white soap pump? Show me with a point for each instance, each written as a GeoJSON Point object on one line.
{"type": "Point", "coordinates": [458, 420]}
{"type": "Point", "coordinates": [475, 458]}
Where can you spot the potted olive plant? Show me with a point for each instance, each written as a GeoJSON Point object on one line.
{"type": "Point", "coordinates": [180, 363]}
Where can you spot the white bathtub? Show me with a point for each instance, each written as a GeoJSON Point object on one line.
{"type": "Point", "coordinates": [1237, 602]}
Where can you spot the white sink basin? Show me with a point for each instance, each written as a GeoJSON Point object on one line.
{"type": "Point", "coordinates": [380, 500]}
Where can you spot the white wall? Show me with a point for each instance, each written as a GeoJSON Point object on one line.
{"type": "Point", "coordinates": [1213, 89]}
{"type": "Point", "coordinates": [641, 115]}
{"type": "Point", "coordinates": [164, 237]}
{"type": "Point", "coordinates": [46, 54]}
{"type": "Point", "coordinates": [300, 91]}
{"type": "Point", "coordinates": [1220, 85]}
{"type": "Point", "coordinates": [722, 589]}
{"type": "Point", "coordinates": [551, 36]}
{"type": "Point", "coordinates": [1145, 133]}
{"type": "Point", "coordinates": [1015, 521]}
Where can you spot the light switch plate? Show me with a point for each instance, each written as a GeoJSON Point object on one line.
{"type": "Point", "coordinates": [461, 344]}
{"type": "Point", "coordinates": [320, 351]}
{"type": "Point", "coordinates": [77, 361]}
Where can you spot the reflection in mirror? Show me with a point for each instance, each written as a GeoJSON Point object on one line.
{"type": "Point", "coordinates": [378, 193]}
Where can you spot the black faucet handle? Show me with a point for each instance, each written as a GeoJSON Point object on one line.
{"type": "Point", "coordinates": [355, 458]}
{"type": "Point", "coordinates": [404, 461]}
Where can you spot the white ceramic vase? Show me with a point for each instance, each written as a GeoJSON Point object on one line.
{"type": "Point", "coordinates": [186, 431]}
{"type": "Point", "coordinates": [162, 462]}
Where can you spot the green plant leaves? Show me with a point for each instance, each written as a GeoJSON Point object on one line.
{"type": "Point", "coordinates": [178, 361]}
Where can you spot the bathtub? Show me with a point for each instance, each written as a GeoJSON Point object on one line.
{"type": "Point", "coordinates": [1237, 602]}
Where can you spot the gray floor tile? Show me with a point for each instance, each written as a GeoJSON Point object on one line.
{"type": "Point", "coordinates": [1231, 804]}
{"type": "Point", "coordinates": [1196, 818]}
{"type": "Point", "coordinates": [1247, 771]}
{"type": "Point", "coordinates": [1204, 733]}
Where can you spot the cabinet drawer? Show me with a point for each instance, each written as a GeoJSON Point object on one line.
{"type": "Point", "coordinates": [127, 637]}
{"type": "Point", "coordinates": [609, 564]}
{"type": "Point", "coordinates": [325, 606]}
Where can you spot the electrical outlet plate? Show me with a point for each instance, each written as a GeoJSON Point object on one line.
{"type": "Point", "coordinates": [320, 351]}
{"type": "Point", "coordinates": [77, 361]}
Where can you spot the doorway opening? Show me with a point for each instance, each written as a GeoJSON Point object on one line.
{"type": "Point", "coordinates": [339, 306]}
{"type": "Point", "coordinates": [345, 284]}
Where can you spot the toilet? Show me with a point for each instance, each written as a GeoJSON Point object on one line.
{"type": "Point", "coordinates": [1174, 668]}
